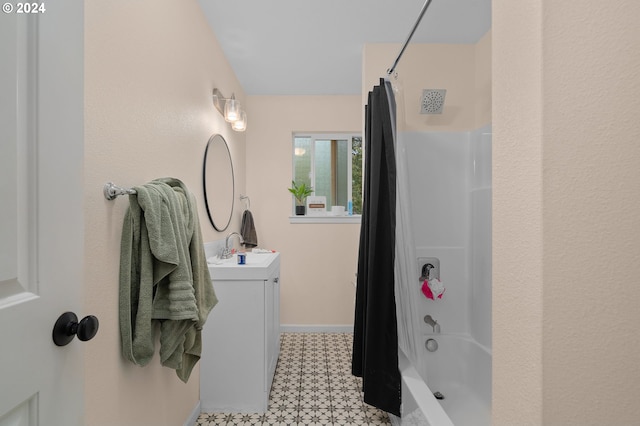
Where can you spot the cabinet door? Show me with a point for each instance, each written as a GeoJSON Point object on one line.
{"type": "Point", "coordinates": [232, 364]}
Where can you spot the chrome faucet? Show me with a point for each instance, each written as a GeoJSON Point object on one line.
{"type": "Point", "coordinates": [433, 323]}
{"type": "Point", "coordinates": [226, 251]}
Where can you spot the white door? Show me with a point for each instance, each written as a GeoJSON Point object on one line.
{"type": "Point", "coordinates": [41, 217]}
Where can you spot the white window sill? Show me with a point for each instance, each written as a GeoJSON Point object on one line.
{"type": "Point", "coordinates": [325, 219]}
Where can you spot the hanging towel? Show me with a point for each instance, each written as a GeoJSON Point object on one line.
{"type": "Point", "coordinates": [248, 230]}
{"type": "Point", "coordinates": [164, 278]}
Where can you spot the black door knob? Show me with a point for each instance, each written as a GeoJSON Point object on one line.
{"type": "Point", "coordinates": [67, 327]}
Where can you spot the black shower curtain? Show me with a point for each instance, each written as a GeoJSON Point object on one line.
{"type": "Point", "coordinates": [375, 338]}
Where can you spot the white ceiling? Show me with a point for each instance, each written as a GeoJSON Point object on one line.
{"type": "Point", "coordinates": [314, 47]}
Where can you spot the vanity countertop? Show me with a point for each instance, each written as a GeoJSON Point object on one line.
{"type": "Point", "coordinates": [258, 266]}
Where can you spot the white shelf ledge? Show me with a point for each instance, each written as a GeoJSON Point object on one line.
{"type": "Point", "coordinates": [325, 219]}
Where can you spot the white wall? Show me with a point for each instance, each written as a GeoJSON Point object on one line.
{"type": "Point", "coordinates": [480, 276]}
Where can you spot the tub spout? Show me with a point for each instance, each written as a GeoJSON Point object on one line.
{"type": "Point", "coordinates": [433, 323]}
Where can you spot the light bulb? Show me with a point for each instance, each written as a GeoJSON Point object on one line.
{"type": "Point", "coordinates": [231, 110]}
{"type": "Point", "coordinates": [240, 125]}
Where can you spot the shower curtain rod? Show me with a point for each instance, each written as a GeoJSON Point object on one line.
{"type": "Point", "coordinates": [406, 43]}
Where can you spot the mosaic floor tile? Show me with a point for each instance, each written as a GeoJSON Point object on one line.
{"type": "Point", "coordinates": [313, 386]}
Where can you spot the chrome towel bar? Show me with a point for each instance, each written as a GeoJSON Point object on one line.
{"type": "Point", "coordinates": [111, 191]}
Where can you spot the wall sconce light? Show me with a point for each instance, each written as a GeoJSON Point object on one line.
{"type": "Point", "coordinates": [240, 125]}
{"type": "Point", "coordinates": [230, 110]}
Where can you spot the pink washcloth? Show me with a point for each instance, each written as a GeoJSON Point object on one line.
{"type": "Point", "coordinates": [426, 290]}
{"type": "Point", "coordinates": [437, 285]}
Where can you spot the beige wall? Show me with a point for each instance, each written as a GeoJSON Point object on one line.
{"type": "Point", "coordinates": [565, 209]}
{"type": "Point", "coordinates": [517, 222]}
{"type": "Point", "coordinates": [565, 178]}
{"type": "Point", "coordinates": [428, 66]}
{"type": "Point", "coordinates": [310, 298]}
{"type": "Point", "coordinates": [150, 68]}
{"type": "Point", "coordinates": [318, 260]}
{"type": "Point", "coordinates": [326, 298]}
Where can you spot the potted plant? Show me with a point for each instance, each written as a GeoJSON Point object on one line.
{"type": "Point", "coordinates": [300, 192]}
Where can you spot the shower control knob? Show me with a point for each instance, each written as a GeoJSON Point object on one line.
{"type": "Point", "coordinates": [67, 327]}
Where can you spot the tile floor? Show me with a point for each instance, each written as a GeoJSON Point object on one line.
{"type": "Point", "coordinates": [313, 385]}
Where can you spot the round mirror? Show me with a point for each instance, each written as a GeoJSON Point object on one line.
{"type": "Point", "coordinates": [218, 183]}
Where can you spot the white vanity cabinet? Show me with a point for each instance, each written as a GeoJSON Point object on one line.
{"type": "Point", "coordinates": [241, 338]}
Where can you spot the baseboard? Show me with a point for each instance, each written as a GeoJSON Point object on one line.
{"type": "Point", "coordinates": [193, 418]}
{"type": "Point", "coordinates": [307, 328]}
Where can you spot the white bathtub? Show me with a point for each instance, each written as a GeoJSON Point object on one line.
{"type": "Point", "coordinates": [461, 370]}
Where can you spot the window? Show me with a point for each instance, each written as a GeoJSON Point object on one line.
{"type": "Point", "coordinates": [332, 165]}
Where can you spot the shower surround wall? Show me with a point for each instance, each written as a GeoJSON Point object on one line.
{"type": "Point", "coordinates": [450, 191]}
{"type": "Point", "coordinates": [449, 161]}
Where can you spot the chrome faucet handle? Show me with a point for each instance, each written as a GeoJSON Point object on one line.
{"type": "Point", "coordinates": [426, 272]}
{"type": "Point", "coordinates": [226, 251]}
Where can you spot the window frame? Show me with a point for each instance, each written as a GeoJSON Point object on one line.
{"type": "Point", "coordinates": [314, 136]}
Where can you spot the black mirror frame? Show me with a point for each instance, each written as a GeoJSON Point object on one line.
{"type": "Point", "coordinates": [204, 184]}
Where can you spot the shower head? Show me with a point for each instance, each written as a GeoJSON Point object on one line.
{"type": "Point", "coordinates": [432, 101]}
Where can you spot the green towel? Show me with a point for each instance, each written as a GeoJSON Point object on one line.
{"type": "Point", "coordinates": [164, 277]}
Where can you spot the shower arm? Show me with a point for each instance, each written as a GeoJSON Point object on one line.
{"type": "Point", "coordinates": [406, 43]}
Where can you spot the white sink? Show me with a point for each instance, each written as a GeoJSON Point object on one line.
{"type": "Point", "coordinates": [257, 266]}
